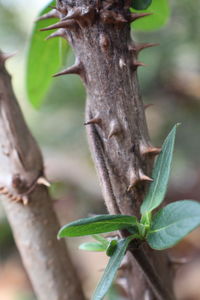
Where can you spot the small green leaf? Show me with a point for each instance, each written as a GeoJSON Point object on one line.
{"type": "Point", "coordinates": [160, 175]}
{"type": "Point", "coordinates": [92, 246]}
{"type": "Point", "coordinates": [172, 223]}
{"type": "Point", "coordinates": [111, 269]}
{"type": "Point", "coordinates": [97, 224]}
{"type": "Point", "coordinates": [141, 4]}
{"type": "Point", "coordinates": [160, 14]}
{"type": "Point", "coordinates": [111, 247]}
{"type": "Point", "coordinates": [43, 60]}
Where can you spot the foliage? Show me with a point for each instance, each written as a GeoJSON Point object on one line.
{"type": "Point", "coordinates": [141, 4]}
{"type": "Point", "coordinates": [162, 230]}
{"type": "Point", "coordinates": [39, 67]}
{"type": "Point", "coordinates": [97, 224]}
{"type": "Point", "coordinates": [160, 175]}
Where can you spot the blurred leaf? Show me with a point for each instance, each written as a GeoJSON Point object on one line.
{"type": "Point", "coordinates": [42, 62]}
{"type": "Point", "coordinates": [97, 224]}
{"type": "Point", "coordinates": [160, 175]}
{"type": "Point", "coordinates": [92, 246]}
{"type": "Point", "coordinates": [111, 269]}
{"type": "Point", "coordinates": [141, 4]}
{"type": "Point", "coordinates": [172, 223]}
{"type": "Point", "coordinates": [111, 247]}
{"type": "Point", "coordinates": [161, 12]}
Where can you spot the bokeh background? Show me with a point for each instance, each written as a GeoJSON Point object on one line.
{"type": "Point", "coordinates": [170, 82]}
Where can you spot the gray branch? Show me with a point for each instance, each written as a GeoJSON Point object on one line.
{"type": "Point", "coordinates": [28, 205]}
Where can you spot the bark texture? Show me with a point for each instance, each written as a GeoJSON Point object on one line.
{"type": "Point", "coordinates": [106, 59]}
{"type": "Point", "coordinates": [29, 206]}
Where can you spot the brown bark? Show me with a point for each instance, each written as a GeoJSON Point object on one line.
{"type": "Point", "coordinates": [34, 225]}
{"type": "Point", "coordinates": [106, 59]}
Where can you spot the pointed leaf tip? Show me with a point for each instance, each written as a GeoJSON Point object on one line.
{"type": "Point", "coordinates": [111, 269]}
{"type": "Point", "coordinates": [160, 174]}
{"type": "Point", "coordinates": [97, 224]}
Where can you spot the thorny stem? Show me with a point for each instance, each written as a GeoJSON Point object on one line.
{"type": "Point", "coordinates": [106, 60]}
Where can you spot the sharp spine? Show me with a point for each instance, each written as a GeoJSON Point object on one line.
{"type": "Point", "coordinates": [149, 150]}
{"type": "Point", "coordinates": [140, 47]}
{"type": "Point", "coordinates": [143, 177]}
{"type": "Point", "coordinates": [50, 15]}
{"type": "Point", "coordinates": [134, 179]}
{"type": "Point", "coordinates": [96, 120]}
{"type": "Point", "coordinates": [77, 68]}
{"type": "Point", "coordinates": [135, 16]}
{"type": "Point", "coordinates": [59, 33]}
{"type": "Point", "coordinates": [137, 64]}
{"type": "Point", "coordinates": [73, 14]}
{"type": "Point", "coordinates": [62, 24]}
{"type": "Point", "coordinates": [43, 181]}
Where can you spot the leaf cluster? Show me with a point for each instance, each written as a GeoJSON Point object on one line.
{"type": "Point", "coordinates": [161, 230]}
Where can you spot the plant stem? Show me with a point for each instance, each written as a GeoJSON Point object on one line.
{"type": "Point", "coordinates": [35, 224]}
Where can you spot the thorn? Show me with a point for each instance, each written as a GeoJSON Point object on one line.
{"type": "Point", "coordinates": [135, 16]}
{"type": "Point", "coordinates": [96, 120]}
{"type": "Point", "coordinates": [25, 200]}
{"type": "Point", "coordinates": [137, 64]}
{"type": "Point", "coordinates": [83, 15]}
{"type": "Point", "coordinates": [77, 68]}
{"type": "Point", "coordinates": [140, 47]}
{"type": "Point", "coordinates": [59, 33]}
{"type": "Point", "coordinates": [149, 150]}
{"type": "Point", "coordinates": [43, 181]}
{"type": "Point", "coordinates": [73, 13]}
{"type": "Point", "coordinates": [143, 177]}
{"type": "Point", "coordinates": [52, 14]}
{"type": "Point", "coordinates": [114, 128]}
{"type": "Point", "coordinates": [63, 24]}
{"type": "Point", "coordinates": [134, 179]}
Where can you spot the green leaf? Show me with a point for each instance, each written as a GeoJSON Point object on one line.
{"type": "Point", "coordinates": [172, 223]}
{"type": "Point", "coordinates": [141, 4]}
{"type": "Point", "coordinates": [97, 224]}
{"type": "Point", "coordinates": [161, 12]}
{"type": "Point", "coordinates": [43, 61]}
{"type": "Point", "coordinates": [92, 246]}
{"type": "Point", "coordinates": [111, 269]}
{"type": "Point", "coordinates": [160, 175]}
{"type": "Point", "coordinates": [111, 247]}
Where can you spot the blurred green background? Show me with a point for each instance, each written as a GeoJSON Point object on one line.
{"type": "Point", "coordinates": [170, 82]}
